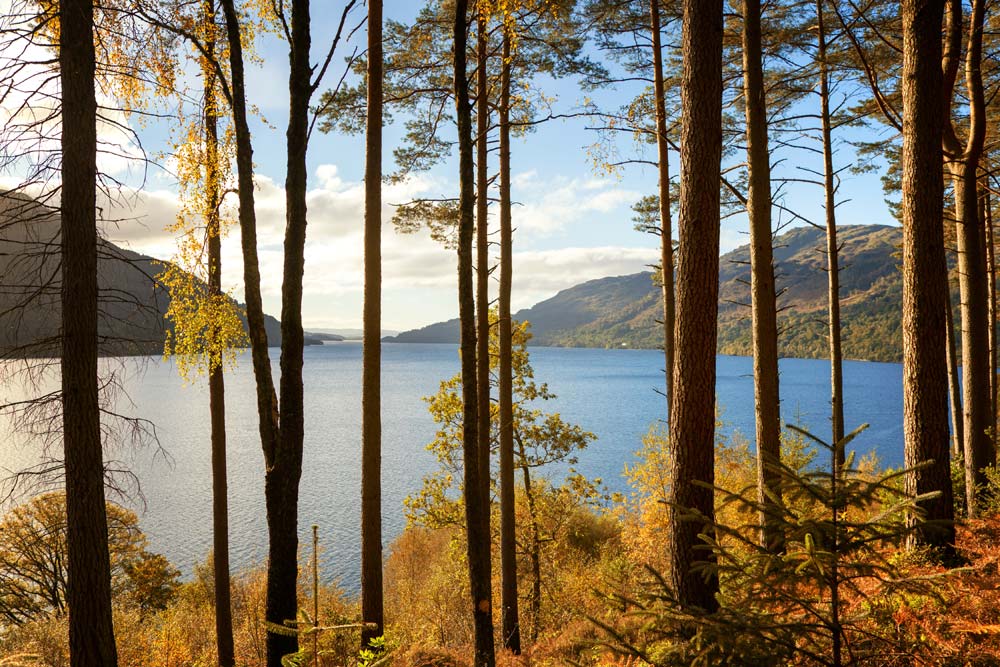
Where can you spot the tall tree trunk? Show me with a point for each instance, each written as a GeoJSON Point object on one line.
{"type": "Point", "coordinates": [371, 399]}
{"type": "Point", "coordinates": [832, 247]}
{"type": "Point", "coordinates": [666, 233]}
{"type": "Point", "coordinates": [281, 480]}
{"type": "Point", "coordinates": [478, 541]}
{"type": "Point", "coordinates": [954, 386]}
{"type": "Point", "coordinates": [483, 268]}
{"type": "Point", "coordinates": [267, 400]}
{"type": "Point", "coordinates": [762, 292]}
{"type": "Point", "coordinates": [508, 534]}
{"type": "Point", "coordinates": [692, 417]}
{"type": "Point", "coordinates": [216, 381]}
{"type": "Point", "coordinates": [991, 287]}
{"type": "Point", "coordinates": [925, 285]}
{"type": "Point", "coordinates": [91, 631]}
{"type": "Point", "coordinates": [963, 164]}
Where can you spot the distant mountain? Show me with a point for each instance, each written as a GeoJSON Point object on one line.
{"type": "Point", "coordinates": [622, 311]}
{"type": "Point", "coordinates": [132, 302]}
{"type": "Point", "coordinates": [350, 334]}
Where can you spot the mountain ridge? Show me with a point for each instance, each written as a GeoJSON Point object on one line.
{"type": "Point", "coordinates": [623, 311]}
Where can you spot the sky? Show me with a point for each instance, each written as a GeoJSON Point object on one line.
{"type": "Point", "coordinates": [571, 223]}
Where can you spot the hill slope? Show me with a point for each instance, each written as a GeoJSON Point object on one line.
{"type": "Point", "coordinates": [622, 311]}
{"type": "Point", "coordinates": [132, 303]}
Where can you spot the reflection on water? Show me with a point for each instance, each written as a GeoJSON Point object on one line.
{"type": "Point", "coordinates": [609, 392]}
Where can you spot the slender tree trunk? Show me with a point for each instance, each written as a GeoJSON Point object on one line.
{"type": "Point", "coordinates": [963, 164]}
{"type": "Point", "coordinates": [925, 285]}
{"type": "Point", "coordinates": [974, 310]}
{"type": "Point", "coordinates": [371, 400]}
{"type": "Point", "coordinates": [216, 381]}
{"type": "Point", "coordinates": [991, 287]}
{"type": "Point", "coordinates": [91, 631]}
{"type": "Point", "coordinates": [954, 386]}
{"type": "Point", "coordinates": [762, 291]}
{"type": "Point", "coordinates": [478, 541]}
{"type": "Point", "coordinates": [535, 601]}
{"type": "Point", "coordinates": [281, 480]}
{"type": "Point", "coordinates": [666, 233]}
{"type": "Point", "coordinates": [692, 417]}
{"type": "Point", "coordinates": [508, 532]}
{"type": "Point", "coordinates": [832, 247]}
{"type": "Point", "coordinates": [267, 400]}
{"type": "Point", "coordinates": [483, 269]}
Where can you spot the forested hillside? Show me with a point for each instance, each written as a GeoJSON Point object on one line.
{"type": "Point", "coordinates": [133, 302]}
{"type": "Point", "coordinates": [624, 311]}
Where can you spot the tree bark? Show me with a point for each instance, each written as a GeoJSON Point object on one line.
{"type": "Point", "coordinates": [692, 418]}
{"type": "Point", "coordinates": [954, 386]}
{"type": "Point", "coordinates": [371, 400]}
{"type": "Point", "coordinates": [281, 479]}
{"type": "Point", "coordinates": [91, 630]}
{"type": "Point", "coordinates": [267, 400]}
{"type": "Point", "coordinates": [478, 541]}
{"type": "Point", "coordinates": [832, 247]}
{"type": "Point", "coordinates": [483, 270]}
{"type": "Point", "coordinates": [767, 405]}
{"type": "Point", "coordinates": [963, 164]}
{"type": "Point", "coordinates": [666, 233]}
{"type": "Point", "coordinates": [508, 535]}
{"type": "Point", "coordinates": [216, 381]}
{"type": "Point", "coordinates": [925, 287]}
{"type": "Point", "coordinates": [991, 287]}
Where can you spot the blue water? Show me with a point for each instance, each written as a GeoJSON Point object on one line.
{"type": "Point", "coordinates": [611, 393]}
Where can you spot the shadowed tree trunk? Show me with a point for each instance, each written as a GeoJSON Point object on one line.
{"type": "Point", "coordinates": [483, 267]}
{"type": "Point", "coordinates": [832, 248]}
{"type": "Point", "coordinates": [267, 400]}
{"type": "Point", "coordinates": [371, 400]}
{"type": "Point", "coordinates": [666, 233]}
{"type": "Point", "coordinates": [925, 284]}
{"type": "Point", "coordinates": [478, 540]}
{"type": "Point", "coordinates": [508, 537]}
{"type": "Point", "coordinates": [216, 381]}
{"type": "Point", "coordinates": [765, 318]}
{"type": "Point", "coordinates": [692, 417]}
{"type": "Point", "coordinates": [91, 632]}
{"type": "Point", "coordinates": [281, 479]}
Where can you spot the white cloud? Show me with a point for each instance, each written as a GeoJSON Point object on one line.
{"type": "Point", "coordinates": [419, 275]}
{"type": "Point", "coordinates": [550, 205]}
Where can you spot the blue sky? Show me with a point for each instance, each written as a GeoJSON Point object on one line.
{"type": "Point", "coordinates": [572, 223]}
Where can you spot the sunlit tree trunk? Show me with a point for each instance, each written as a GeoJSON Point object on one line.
{"type": "Point", "coordinates": [371, 400]}
{"type": "Point", "coordinates": [91, 631]}
{"type": "Point", "coordinates": [692, 417]}
{"type": "Point", "coordinates": [925, 286]}
{"type": "Point", "coordinates": [991, 286]}
{"type": "Point", "coordinates": [832, 248]}
{"type": "Point", "coordinates": [478, 540]}
{"type": "Point", "coordinates": [954, 386]}
{"type": "Point", "coordinates": [963, 164]}
{"type": "Point", "coordinates": [666, 233]}
{"type": "Point", "coordinates": [508, 534]}
{"type": "Point", "coordinates": [762, 292]}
